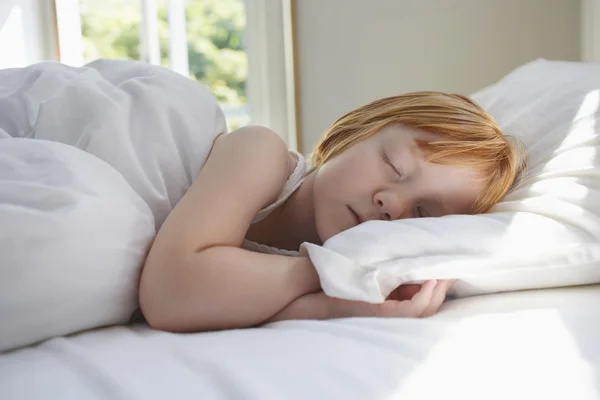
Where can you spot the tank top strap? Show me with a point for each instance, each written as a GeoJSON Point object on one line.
{"type": "Point", "coordinates": [293, 182]}
{"type": "Point", "coordinates": [291, 185]}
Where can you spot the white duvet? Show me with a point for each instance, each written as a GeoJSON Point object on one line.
{"type": "Point", "coordinates": [527, 345]}
{"type": "Point", "coordinates": [92, 160]}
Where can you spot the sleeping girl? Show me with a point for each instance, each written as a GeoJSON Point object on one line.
{"type": "Point", "coordinates": [227, 255]}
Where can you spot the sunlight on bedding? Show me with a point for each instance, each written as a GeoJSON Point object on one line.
{"type": "Point", "coordinates": [561, 191]}
{"type": "Point", "coordinates": [584, 122]}
{"type": "Point", "coordinates": [580, 150]}
{"type": "Point", "coordinates": [528, 349]}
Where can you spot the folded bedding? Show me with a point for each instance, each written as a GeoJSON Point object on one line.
{"type": "Point", "coordinates": [73, 236]}
{"type": "Point", "coordinates": [92, 160]}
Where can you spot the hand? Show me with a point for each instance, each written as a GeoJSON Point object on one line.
{"type": "Point", "coordinates": [408, 301]}
{"type": "Point", "coordinates": [416, 300]}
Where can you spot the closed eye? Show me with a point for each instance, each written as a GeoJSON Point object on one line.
{"type": "Point", "coordinates": [387, 160]}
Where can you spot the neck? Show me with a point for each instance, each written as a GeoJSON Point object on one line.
{"type": "Point", "coordinates": [294, 223]}
{"type": "Point", "coordinates": [301, 224]}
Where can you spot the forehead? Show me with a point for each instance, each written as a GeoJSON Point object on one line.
{"type": "Point", "coordinates": [400, 132]}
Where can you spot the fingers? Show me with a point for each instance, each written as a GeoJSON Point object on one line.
{"type": "Point", "coordinates": [422, 300]}
{"type": "Point", "coordinates": [412, 308]}
{"type": "Point", "coordinates": [424, 303]}
{"type": "Point", "coordinates": [438, 297]}
{"type": "Point", "coordinates": [404, 292]}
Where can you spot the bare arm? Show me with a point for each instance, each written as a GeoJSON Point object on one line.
{"type": "Point", "coordinates": [196, 276]}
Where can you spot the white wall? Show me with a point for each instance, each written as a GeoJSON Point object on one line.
{"type": "Point", "coordinates": [354, 51]}
{"type": "Point", "coordinates": [24, 32]}
{"type": "Point", "coordinates": [590, 30]}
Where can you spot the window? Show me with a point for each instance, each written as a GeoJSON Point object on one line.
{"type": "Point", "coordinates": [23, 33]}
{"type": "Point", "coordinates": [201, 39]}
{"type": "Point", "coordinates": [234, 47]}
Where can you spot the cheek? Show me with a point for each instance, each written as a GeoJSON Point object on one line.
{"type": "Point", "coordinates": [352, 176]}
{"type": "Point", "coordinates": [332, 191]}
{"type": "Point", "coordinates": [324, 202]}
{"type": "Point", "coordinates": [331, 182]}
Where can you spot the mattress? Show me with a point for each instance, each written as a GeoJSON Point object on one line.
{"type": "Point", "coordinates": [523, 345]}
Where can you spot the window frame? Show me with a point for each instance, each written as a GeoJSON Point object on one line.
{"type": "Point", "coordinates": [270, 43]}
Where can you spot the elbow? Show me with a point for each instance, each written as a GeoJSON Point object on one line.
{"type": "Point", "coordinates": [153, 305]}
{"type": "Point", "coordinates": [157, 320]}
{"type": "Point", "coordinates": [155, 299]}
{"type": "Point", "coordinates": [166, 298]}
{"type": "Point", "coordinates": [153, 315]}
{"type": "Point", "coordinates": [161, 313]}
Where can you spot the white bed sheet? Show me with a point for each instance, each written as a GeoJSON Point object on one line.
{"type": "Point", "coordinates": [526, 345]}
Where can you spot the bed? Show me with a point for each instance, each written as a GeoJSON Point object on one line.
{"type": "Point", "coordinates": [523, 322]}
{"type": "Point", "coordinates": [524, 345]}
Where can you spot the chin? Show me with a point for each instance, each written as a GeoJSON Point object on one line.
{"type": "Point", "coordinates": [324, 233]}
{"type": "Point", "coordinates": [327, 227]}
{"type": "Point", "coordinates": [323, 237]}
{"type": "Point", "coordinates": [327, 233]}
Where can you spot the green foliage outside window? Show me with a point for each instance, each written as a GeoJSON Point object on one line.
{"type": "Point", "coordinates": [215, 29]}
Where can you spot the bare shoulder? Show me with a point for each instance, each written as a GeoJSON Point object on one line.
{"type": "Point", "coordinates": [254, 143]}
{"type": "Point", "coordinates": [255, 152]}
{"type": "Point", "coordinates": [245, 171]}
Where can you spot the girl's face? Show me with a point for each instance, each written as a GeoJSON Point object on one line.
{"type": "Point", "coordinates": [386, 177]}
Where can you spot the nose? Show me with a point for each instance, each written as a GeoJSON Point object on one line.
{"type": "Point", "coordinates": [388, 205]}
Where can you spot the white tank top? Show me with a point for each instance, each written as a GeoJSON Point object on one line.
{"type": "Point", "coordinates": [291, 185]}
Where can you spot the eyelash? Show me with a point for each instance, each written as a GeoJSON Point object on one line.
{"type": "Point", "coordinates": [421, 213]}
{"type": "Point", "coordinates": [389, 162]}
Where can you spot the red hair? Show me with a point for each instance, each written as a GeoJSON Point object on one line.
{"type": "Point", "coordinates": [470, 137]}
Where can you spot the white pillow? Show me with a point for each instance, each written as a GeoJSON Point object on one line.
{"type": "Point", "coordinates": [154, 126]}
{"type": "Point", "coordinates": [73, 237]}
{"type": "Point", "coordinates": [544, 234]}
